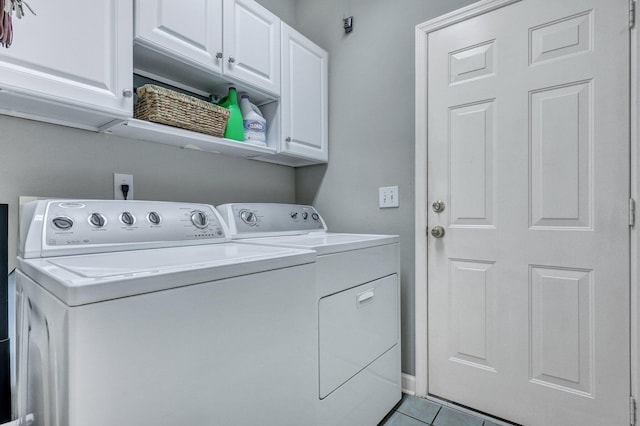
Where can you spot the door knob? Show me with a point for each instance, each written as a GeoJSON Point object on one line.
{"type": "Point", "coordinates": [231, 59]}
{"type": "Point", "coordinates": [438, 206]}
{"type": "Point", "coordinates": [437, 231]}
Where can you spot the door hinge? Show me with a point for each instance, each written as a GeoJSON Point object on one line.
{"type": "Point", "coordinates": [632, 411]}
{"type": "Point", "coordinates": [632, 13]}
{"type": "Point", "coordinates": [632, 212]}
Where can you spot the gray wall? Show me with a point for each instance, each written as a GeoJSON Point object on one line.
{"type": "Point", "coordinates": [285, 9]}
{"type": "Point", "coordinates": [39, 159]}
{"type": "Point", "coordinates": [371, 123]}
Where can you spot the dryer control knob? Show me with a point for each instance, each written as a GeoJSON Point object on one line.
{"type": "Point", "coordinates": [294, 215]}
{"type": "Point", "coordinates": [97, 220]}
{"type": "Point", "coordinates": [248, 217]}
{"type": "Point", "coordinates": [305, 215]}
{"type": "Point", "coordinates": [315, 216]}
{"type": "Point", "coordinates": [199, 219]}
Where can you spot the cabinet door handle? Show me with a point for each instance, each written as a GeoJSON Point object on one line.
{"type": "Point", "coordinates": [288, 139]}
{"type": "Point", "coordinates": [231, 59]}
{"type": "Point", "coordinates": [219, 55]}
{"type": "Point", "coordinates": [127, 93]}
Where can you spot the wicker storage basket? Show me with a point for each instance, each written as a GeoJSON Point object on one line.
{"type": "Point", "coordinates": [165, 106]}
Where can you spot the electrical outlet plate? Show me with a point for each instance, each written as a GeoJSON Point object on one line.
{"type": "Point", "coordinates": [122, 179]}
{"type": "Point", "coordinates": [388, 197]}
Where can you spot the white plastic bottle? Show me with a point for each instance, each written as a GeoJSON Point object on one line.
{"type": "Point", "coordinates": [255, 126]}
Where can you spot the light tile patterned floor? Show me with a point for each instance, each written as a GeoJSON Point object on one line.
{"type": "Point", "coordinates": [414, 411]}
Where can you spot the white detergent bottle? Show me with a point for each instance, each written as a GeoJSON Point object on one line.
{"type": "Point", "coordinates": [255, 126]}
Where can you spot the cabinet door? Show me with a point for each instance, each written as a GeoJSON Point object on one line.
{"type": "Point", "coordinates": [189, 31]}
{"type": "Point", "coordinates": [304, 97]}
{"type": "Point", "coordinates": [252, 44]}
{"type": "Point", "coordinates": [69, 62]}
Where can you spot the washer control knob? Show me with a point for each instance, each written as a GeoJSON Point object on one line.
{"type": "Point", "coordinates": [97, 220]}
{"type": "Point", "coordinates": [127, 218]}
{"type": "Point", "coordinates": [305, 215]}
{"type": "Point", "coordinates": [199, 219]}
{"type": "Point", "coordinates": [315, 216]}
{"type": "Point", "coordinates": [154, 218]}
{"type": "Point", "coordinates": [294, 215]}
{"type": "Point", "coordinates": [248, 217]}
{"type": "Point", "coordinates": [63, 223]}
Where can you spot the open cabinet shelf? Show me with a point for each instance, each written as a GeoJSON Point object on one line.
{"type": "Point", "coordinates": [160, 133]}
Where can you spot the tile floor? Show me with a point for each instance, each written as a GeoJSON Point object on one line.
{"type": "Point", "coordinates": [414, 411]}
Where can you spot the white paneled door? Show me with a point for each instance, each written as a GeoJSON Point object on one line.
{"type": "Point", "coordinates": [528, 152]}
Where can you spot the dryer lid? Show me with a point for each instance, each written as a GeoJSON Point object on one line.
{"type": "Point", "coordinates": [328, 243]}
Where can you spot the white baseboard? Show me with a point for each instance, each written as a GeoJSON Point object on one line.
{"type": "Point", "coordinates": [27, 421]}
{"type": "Point", "coordinates": [408, 384]}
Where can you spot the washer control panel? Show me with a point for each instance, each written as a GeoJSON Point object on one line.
{"type": "Point", "coordinates": [261, 219]}
{"type": "Point", "coordinates": [97, 222]}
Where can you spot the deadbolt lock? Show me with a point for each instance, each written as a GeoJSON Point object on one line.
{"type": "Point", "coordinates": [438, 206]}
{"type": "Point", "coordinates": [437, 231]}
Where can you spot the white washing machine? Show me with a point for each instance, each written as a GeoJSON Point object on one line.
{"type": "Point", "coordinates": [358, 307]}
{"type": "Point", "coordinates": [138, 313]}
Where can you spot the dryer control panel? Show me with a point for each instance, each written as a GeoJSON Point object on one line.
{"type": "Point", "coordinates": [83, 226]}
{"type": "Point", "coordinates": [250, 220]}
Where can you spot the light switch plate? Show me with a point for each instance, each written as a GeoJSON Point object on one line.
{"type": "Point", "coordinates": [388, 197]}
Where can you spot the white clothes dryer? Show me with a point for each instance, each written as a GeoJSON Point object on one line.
{"type": "Point", "coordinates": [143, 313]}
{"type": "Point", "coordinates": [357, 307]}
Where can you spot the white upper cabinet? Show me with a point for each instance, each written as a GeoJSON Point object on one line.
{"type": "Point", "coordinates": [71, 64]}
{"type": "Point", "coordinates": [304, 97]}
{"type": "Point", "coordinates": [221, 41]}
{"type": "Point", "coordinates": [252, 44]}
{"type": "Point", "coordinates": [74, 64]}
{"type": "Point", "coordinates": [188, 31]}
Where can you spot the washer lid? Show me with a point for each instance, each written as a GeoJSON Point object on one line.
{"type": "Point", "coordinates": [328, 243]}
{"type": "Point", "coordinates": [78, 280]}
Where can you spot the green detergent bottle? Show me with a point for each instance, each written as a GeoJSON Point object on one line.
{"type": "Point", "coordinates": [234, 129]}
